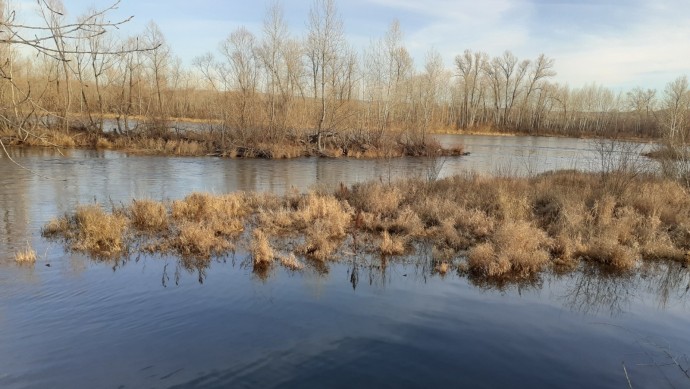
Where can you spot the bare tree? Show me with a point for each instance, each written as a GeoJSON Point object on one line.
{"type": "Point", "coordinates": [389, 67]}
{"type": "Point", "coordinates": [325, 39]}
{"type": "Point", "coordinates": [469, 66]}
{"type": "Point", "coordinates": [239, 50]}
{"type": "Point", "coordinates": [643, 103]}
{"type": "Point", "coordinates": [159, 58]}
{"type": "Point", "coordinates": [273, 59]}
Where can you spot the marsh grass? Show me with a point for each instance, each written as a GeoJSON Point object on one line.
{"type": "Point", "coordinates": [149, 215]}
{"type": "Point", "coordinates": [261, 250]}
{"type": "Point", "coordinates": [392, 245]}
{"type": "Point", "coordinates": [90, 229]}
{"type": "Point", "coordinates": [26, 255]}
{"type": "Point", "coordinates": [490, 227]}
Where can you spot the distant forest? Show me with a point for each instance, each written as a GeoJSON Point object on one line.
{"type": "Point", "coordinates": [67, 73]}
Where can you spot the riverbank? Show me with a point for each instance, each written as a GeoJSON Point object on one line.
{"type": "Point", "coordinates": [219, 144]}
{"type": "Point", "coordinates": [492, 131]}
{"type": "Point", "coordinates": [488, 227]}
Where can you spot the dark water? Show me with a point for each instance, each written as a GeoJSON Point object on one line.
{"type": "Point", "coordinates": [157, 322]}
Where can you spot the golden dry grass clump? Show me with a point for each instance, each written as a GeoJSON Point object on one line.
{"type": "Point", "coordinates": [325, 221]}
{"type": "Point", "coordinates": [200, 240]}
{"type": "Point", "coordinates": [516, 248]}
{"type": "Point", "coordinates": [149, 215]}
{"type": "Point", "coordinates": [207, 223]}
{"type": "Point", "coordinates": [25, 256]}
{"type": "Point", "coordinates": [93, 230]}
{"type": "Point", "coordinates": [57, 226]}
{"type": "Point", "coordinates": [223, 214]}
{"type": "Point", "coordinates": [261, 250]}
{"type": "Point", "coordinates": [392, 245]}
{"type": "Point", "coordinates": [103, 143]}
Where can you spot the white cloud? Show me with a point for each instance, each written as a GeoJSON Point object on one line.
{"type": "Point", "coordinates": [651, 52]}
{"type": "Point", "coordinates": [453, 26]}
{"type": "Point", "coordinates": [641, 42]}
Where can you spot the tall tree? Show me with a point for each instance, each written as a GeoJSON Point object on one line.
{"type": "Point", "coordinates": [325, 40]}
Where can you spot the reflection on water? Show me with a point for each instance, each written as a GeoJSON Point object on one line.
{"type": "Point", "coordinates": [158, 321]}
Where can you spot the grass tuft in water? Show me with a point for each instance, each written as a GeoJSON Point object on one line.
{"type": "Point", "coordinates": [25, 256]}
{"type": "Point", "coordinates": [491, 227]}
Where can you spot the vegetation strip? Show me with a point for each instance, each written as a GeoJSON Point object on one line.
{"type": "Point", "coordinates": [491, 227]}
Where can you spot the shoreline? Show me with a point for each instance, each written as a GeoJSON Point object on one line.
{"type": "Point", "coordinates": [209, 145]}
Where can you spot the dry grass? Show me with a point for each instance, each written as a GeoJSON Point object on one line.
{"type": "Point", "coordinates": [392, 245]}
{"type": "Point", "coordinates": [516, 247]}
{"type": "Point", "coordinates": [56, 226]}
{"type": "Point", "coordinates": [224, 215]}
{"type": "Point", "coordinates": [25, 256]}
{"type": "Point", "coordinates": [325, 221]}
{"type": "Point", "coordinates": [98, 232]}
{"type": "Point", "coordinates": [261, 250]}
{"type": "Point", "coordinates": [149, 215]}
{"type": "Point", "coordinates": [200, 240]}
{"type": "Point", "coordinates": [103, 143]}
{"type": "Point", "coordinates": [502, 227]}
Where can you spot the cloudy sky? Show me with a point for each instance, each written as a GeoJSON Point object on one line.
{"type": "Point", "coordinates": [617, 43]}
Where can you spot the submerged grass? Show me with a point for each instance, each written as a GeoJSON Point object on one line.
{"type": "Point", "coordinates": [491, 227]}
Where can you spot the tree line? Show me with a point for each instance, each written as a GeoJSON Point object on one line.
{"type": "Point", "coordinates": [277, 85]}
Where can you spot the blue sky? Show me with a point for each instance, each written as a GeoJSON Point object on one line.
{"type": "Point", "coordinates": [619, 44]}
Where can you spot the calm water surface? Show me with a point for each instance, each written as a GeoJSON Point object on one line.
{"type": "Point", "coordinates": [155, 322]}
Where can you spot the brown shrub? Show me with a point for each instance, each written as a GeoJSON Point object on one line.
{"type": "Point", "coordinates": [432, 210]}
{"type": "Point", "coordinates": [474, 224]}
{"type": "Point", "coordinates": [276, 222]}
{"type": "Point", "coordinates": [451, 236]}
{"type": "Point", "coordinates": [563, 250]}
{"type": "Point", "coordinates": [408, 223]}
{"type": "Point", "coordinates": [334, 216]}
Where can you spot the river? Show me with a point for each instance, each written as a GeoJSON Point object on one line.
{"type": "Point", "coordinates": [151, 321]}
